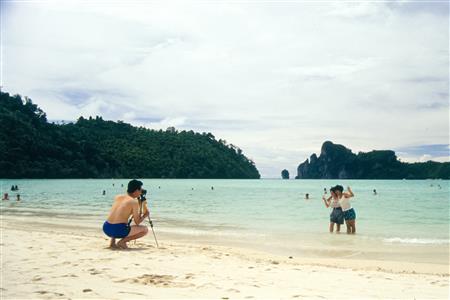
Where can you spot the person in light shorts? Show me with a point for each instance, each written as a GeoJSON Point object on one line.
{"type": "Point", "coordinates": [349, 212]}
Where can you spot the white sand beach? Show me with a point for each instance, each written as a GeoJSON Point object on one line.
{"type": "Point", "coordinates": [73, 261]}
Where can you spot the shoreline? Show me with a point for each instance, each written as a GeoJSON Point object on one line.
{"type": "Point", "coordinates": [71, 262]}
{"type": "Point", "coordinates": [331, 250]}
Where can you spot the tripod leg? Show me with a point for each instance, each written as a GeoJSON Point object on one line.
{"type": "Point", "coordinates": [154, 235]}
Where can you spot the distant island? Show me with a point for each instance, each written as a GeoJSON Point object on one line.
{"type": "Point", "coordinates": [31, 147]}
{"type": "Point", "coordinates": [285, 174]}
{"type": "Point", "coordinates": [338, 162]}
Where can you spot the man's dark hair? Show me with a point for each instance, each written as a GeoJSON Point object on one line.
{"type": "Point", "coordinates": [134, 185]}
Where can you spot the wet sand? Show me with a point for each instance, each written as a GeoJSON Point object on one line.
{"type": "Point", "coordinates": [50, 261]}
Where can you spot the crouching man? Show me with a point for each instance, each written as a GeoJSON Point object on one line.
{"type": "Point", "coordinates": [124, 206]}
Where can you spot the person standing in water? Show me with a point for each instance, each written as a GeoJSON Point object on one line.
{"type": "Point", "coordinates": [336, 216]}
{"type": "Point", "coordinates": [349, 212]}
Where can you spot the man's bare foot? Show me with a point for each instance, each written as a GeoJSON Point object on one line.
{"type": "Point", "coordinates": [122, 245]}
{"type": "Point", "coordinates": [112, 244]}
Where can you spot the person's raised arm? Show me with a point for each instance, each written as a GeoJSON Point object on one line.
{"type": "Point", "coordinates": [349, 193]}
{"type": "Point", "coordinates": [136, 216]}
{"type": "Point", "coordinates": [326, 201]}
{"type": "Point", "coordinates": [144, 207]}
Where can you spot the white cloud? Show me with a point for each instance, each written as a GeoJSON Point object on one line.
{"type": "Point", "coordinates": [276, 79]}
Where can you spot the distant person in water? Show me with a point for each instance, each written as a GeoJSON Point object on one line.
{"type": "Point", "coordinates": [104, 193]}
{"type": "Point", "coordinates": [336, 215]}
{"type": "Point", "coordinates": [5, 196]}
{"type": "Point", "coordinates": [349, 212]}
{"type": "Point", "coordinates": [13, 188]}
{"type": "Point", "coordinates": [18, 197]}
{"type": "Point", "coordinates": [16, 188]}
{"type": "Point", "coordinates": [374, 191]}
{"type": "Point", "coordinates": [124, 206]}
{"type": "Point", "coordinates": [325, 191]}
{"type": "Point", "coordinates": [306, 196]}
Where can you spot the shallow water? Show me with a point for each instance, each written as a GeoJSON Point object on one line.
{"type": "Point", "coordinates": [404, 212]}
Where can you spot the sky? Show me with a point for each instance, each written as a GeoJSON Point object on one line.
{"type": "Point", "coordinates": [275, 78]}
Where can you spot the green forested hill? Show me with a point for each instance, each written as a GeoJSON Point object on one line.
{"type": "Point", "coordinates": [30, 147]}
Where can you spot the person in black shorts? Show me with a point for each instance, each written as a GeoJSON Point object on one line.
{"type": "Point", "coordinates": [336, 216]}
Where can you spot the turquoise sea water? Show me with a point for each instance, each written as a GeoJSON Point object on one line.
{"type": "Point", "coordinates": [403, 212]}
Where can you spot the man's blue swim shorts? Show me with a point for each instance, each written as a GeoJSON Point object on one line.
{"type": "Point", "coordinates": [119, 230]}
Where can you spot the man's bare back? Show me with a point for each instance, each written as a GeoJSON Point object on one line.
{"type": "Point", "coordinates": [123, 207]}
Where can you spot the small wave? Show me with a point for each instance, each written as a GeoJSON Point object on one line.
{"type": "Point", "coordinates": [205, 232]}
{"type": "Point", "coordinates": [417, 241]}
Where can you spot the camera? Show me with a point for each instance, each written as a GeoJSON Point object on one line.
{"type": "Point", "coordinates": [142, 197]}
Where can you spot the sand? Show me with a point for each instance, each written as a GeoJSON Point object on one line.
{"type": "Point", "coordinates": [45, 261]}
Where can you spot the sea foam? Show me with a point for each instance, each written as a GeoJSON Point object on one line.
{"type": "Point", "coordinates": [417, 241]}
